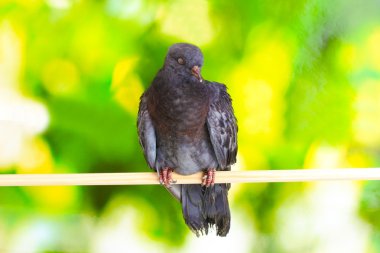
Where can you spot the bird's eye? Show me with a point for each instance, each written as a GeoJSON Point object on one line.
{"type": "Point", "coordinates": [181, 61]}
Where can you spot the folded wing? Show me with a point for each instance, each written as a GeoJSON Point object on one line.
{"type": "Point", "coordinates": [146, 132]}
{"type": "Point", "coordinates": [222, 127]}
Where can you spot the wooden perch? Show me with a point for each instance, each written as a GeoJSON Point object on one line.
{"type": "Point", "coordinates": [255, 176]}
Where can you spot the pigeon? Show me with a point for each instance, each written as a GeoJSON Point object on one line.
{"type": "Point", "coordinates": [187, 124]}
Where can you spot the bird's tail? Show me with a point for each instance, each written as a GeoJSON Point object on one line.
{"type": "Point", "coordinates": [205, 207]}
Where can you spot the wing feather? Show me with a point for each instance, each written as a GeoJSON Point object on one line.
{"type": "Point", "coordinates": [222, 125]}
{"type": "Point", "coordinates": [146, 132]}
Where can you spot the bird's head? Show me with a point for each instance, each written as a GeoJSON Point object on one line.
{"type": "Point", "coordinates": [186, 60]}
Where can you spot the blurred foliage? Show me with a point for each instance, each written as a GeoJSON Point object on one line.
{"type": "Point", "coordinates": [304, 77]}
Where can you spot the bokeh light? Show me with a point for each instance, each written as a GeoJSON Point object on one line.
{"type": "Point", "coordinates": [304, 77]}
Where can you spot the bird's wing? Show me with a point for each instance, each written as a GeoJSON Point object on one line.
{"type": "Point", "coordinates": [146, 131]}
{"type": "Point", "coordinates": [222, 125]}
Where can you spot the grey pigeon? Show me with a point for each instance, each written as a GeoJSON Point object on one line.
{"type": "Point", "coordinates": [186, 124]}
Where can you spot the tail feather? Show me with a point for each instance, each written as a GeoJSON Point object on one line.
{"type": "Point", "coordinates": [205, 207]}
{"type": "Point", "coordinates": [217, 208]}
{"type": "Point", "coordinates": [192, 206]}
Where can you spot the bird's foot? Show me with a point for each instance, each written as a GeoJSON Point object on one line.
{"type": "Point", "coordinates": [165, 176]}
{"type": "Point", "coordinates": [208, 178]}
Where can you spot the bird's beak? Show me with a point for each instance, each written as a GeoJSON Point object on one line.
{"type": "Point", "coordinates": [196, 72]}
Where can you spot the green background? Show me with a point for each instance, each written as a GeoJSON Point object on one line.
{"type": "Point", "coordinates": [305, 81]}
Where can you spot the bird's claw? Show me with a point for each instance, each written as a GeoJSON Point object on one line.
{"type": "Point", "coordinates": [208, 178]}
{"type": "Point", "coordinates": [165, 177]}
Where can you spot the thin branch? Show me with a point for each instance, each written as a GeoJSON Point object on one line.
{"type": "Point", "coordinates": [255, 176]}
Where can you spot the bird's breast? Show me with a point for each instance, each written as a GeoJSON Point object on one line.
{"type": "Point", "coordinates": [179, 110]}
